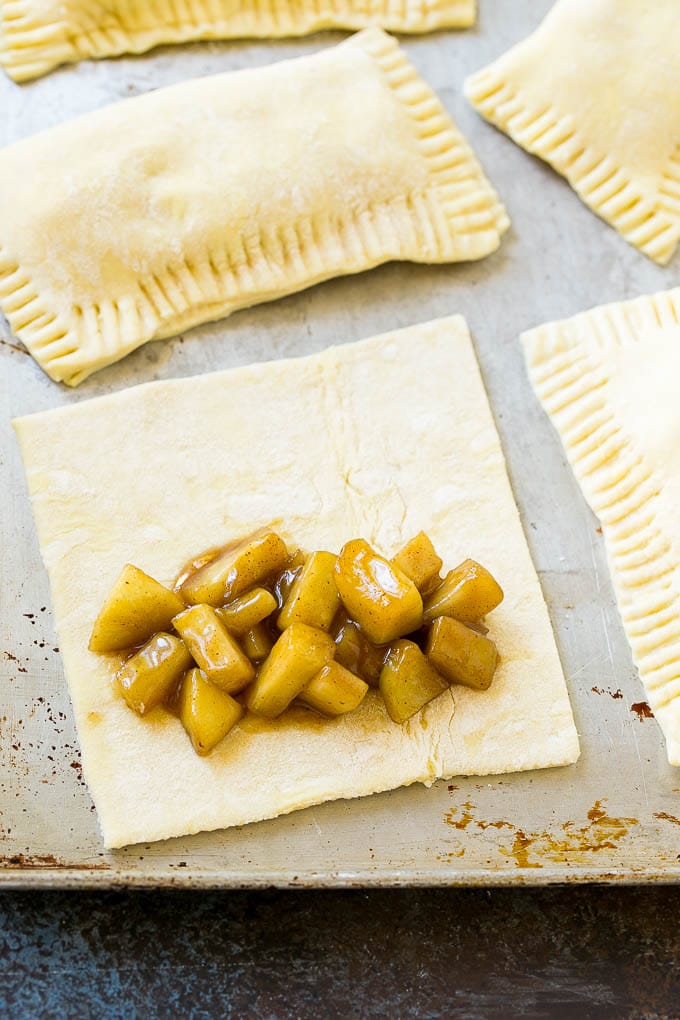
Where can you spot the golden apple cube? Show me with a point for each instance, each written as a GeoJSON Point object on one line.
{"type": "Point", "coordinates": [379, 596]}
{"type": "Point", "coordinates": [408, 681]}
{"type": "Point", "coordinates": [257, 643]}
{"type": "Point", "coordinates": [467, 593]}
{"type": "Point", "coordinates": [238, 567]}
{"type": "Point", "coordinates": [419, 560]}
{"type": "Point", "coordinates": [247, 610]}
{"type": "Point", "coordinates": [334, 690]}
{"type": "Point", "coordinates": [148, 677]}
{"type": "Point", "coordinates": [206, 712]}
{"type": "Point", "coordinates": [313, 598]}
{"type": "Point", "coordinates": [460, 654]}
{"type": "Point", "coordinates": [137, 607]}
{"type": "Point", "coordinates": [297, 656]}
{"type": "Point", "coordinates": [288, 576]}
{"type": "Point", "coordinates": [214, 648]}
{"type": "Point", "coordinates": [356, 653]}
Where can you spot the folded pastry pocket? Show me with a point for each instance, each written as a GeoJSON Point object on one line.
{"type": "Point", "coordinates": [164, 211]}
{"type": "Point", "coordinates": [37, 35]}
{"type": "Point", "coordinates": [594, 92]}
{"type": "Point", "coordinates": [609, 381]}
{"type": "Point", "coordinates": [378, 441]}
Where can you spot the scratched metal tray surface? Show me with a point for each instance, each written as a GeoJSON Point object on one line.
{"type": "Point", "coordinates": [613, 816]}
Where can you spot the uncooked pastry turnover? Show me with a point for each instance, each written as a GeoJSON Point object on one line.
{"type": "Point", "coordinates": [609, 380]}
{"type": "Point", "coordinates": [157, 213]}
{"type": "Point", "coordinates": [37, 35]}
{"type": "Point", "coordinates": [376, 439]}
{"type": "Point", "coordinates": [595, 91]}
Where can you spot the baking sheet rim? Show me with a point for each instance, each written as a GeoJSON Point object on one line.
{"type": "Point", "coordinates": [102, 877]}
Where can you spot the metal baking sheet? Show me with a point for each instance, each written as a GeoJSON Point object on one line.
{"type": "Point", "coordinates": [613, 816]}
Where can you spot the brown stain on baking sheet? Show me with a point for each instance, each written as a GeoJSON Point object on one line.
{"type": "Point", "coordinates": [19, 348]}
{"type": "Point", "coordinates": [663, 816]}
{"type": "Point", "coordinates": [466, 817]}
{"type": "Point", "coordinates": [448, 856]}
{"type": "Point", "coordinates": [642, 710]}
{"type": "Point", "coordinates": [602, 832]}
{"type": "Point", "coordinates": [461, 821]}
{"type": "Point", "coordinates": [500, 824]}
{"type": "Point", "coordinates": [35, 861]}
{"type": "Point", "coordinates": [460, 818]}
{"type": "Point", "coordinates": [535, 849]}
{"type": "Point", "coordinates": [11, 657]}
{"type": "Point", "coordinates": [520, 850]}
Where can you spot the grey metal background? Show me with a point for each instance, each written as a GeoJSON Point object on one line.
{"type": "Point", "coordinates": [614, 815]}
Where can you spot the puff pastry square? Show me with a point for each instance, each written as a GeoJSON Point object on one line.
{"type": "Point", "coordinates": [161, 212]}
{"type": "Point", "coordinates": [595, 92]}
{"type": "Point", "coordinates": [37, 35]}
{"type": "Point", "coordinates": [609, 381]}
{"type": "Point", "coordinates": [378, 439]}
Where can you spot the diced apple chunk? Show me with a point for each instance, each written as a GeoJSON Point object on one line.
{"type": "Point", "coordinates": [467, 593]}
{"type": "Point", "coordinates": [137, 607]}
{"type": "Point", "coordinates": [214, 649]}
{"type": "Point", "coordinates": [313, 598]}
{"type": "Point", "coordinates": [408, 681]}
{"type": "Point", "coordinates": [379, 596]}
{"type": "Point", "coordinates": [419, 560]}
{"type": "Point", "coordinates": [257, 643]}
{"type": "Point", "coordinates": [356, 653]}
{"type": "Point", "coordinates": [206, 712]}
{"type": "Point", "coordinates": [148, 677]}
{"type": "Point", "coordinates": [237, 568]}
{"type": "Point", "coordinates": [460, 654]}
{"type": "Point", "coordinates": [288, 576]}
{"type": "Point", "coordinates": [247, 610]}
{"type": "Point", "coordinates": [334, 690]}
{"type": "Point", "coordinates": [297, 656]}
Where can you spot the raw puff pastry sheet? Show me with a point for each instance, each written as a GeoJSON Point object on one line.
{"type": "Point", "coordinates": [161, 212]}
{"type": "Point", "coordinates": [37, 35]}
{"type": "Point", "coordinates": [609, 381]}
{"type": "Point", "coordinates": [595, 91]}
{"type": "Point", "coordinates": [377, 439]}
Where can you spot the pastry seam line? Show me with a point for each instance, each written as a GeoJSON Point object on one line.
{"type": "Point", "coordinates": [550, 351]}
{"type": "Point", "coordinates": [60, 42]}
{"type": "Point", "coordinates": [651, 226]}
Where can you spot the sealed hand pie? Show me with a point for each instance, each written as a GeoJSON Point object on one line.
{"type": "Point", "coordinates": [595, 91]}
{"type": "Point", "coordinates": [37, 35]}
{"type": "Point", "coordinates": [609, 381]}
{"type": "Point", "coordinates": [380, 439]}
{"type": "Point", "coordinates": [161, 212]}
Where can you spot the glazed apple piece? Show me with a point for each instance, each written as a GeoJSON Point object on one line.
{"type": "Point", "coordinates": [408, 681]}
{"type": "Point", "coordinates": [236, 569]}
{"type": "Point", "coordinates": [136, 608]}
{"type": "Point", "coordinates": [288, 576]}
{"type": "Point", "coordinates": [467, 593]}
{"type": "Point", "coordinates": [214, 649]}
{"type": "Point", "coordinates": [257, 643]}
{"type": "Point", "coordinates": [299, 654]}
{"type": "Point", "coordinates": [313, 598]}
{"type": "Point", "coordinates": [206, 712]}
{"type": "Point", "coordinates": [148, 677]}
{"type": "Point", "coordinates": [334, 690]}
{"type": "Point", "coordinates": [247, 610]}
{"type": "Point", "coordinates": [460, 654]}
{"type": "Point", "coordinates": [356, 653]}
{"type": "Point", "coordinates": [379, 596]}
{"type": "Point", "coordinates": [419, 560]}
